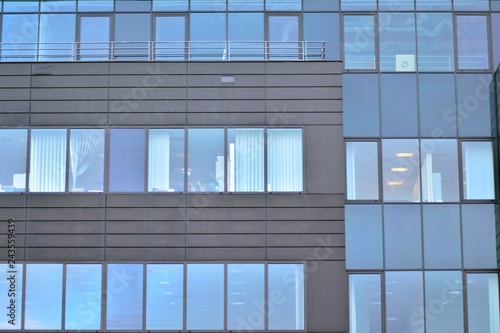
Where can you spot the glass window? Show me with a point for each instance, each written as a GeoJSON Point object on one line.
{"type": "Point", "coordinates": [86, 160]}
{"type": "Point", "coordinates": [19, 35]}
{"type": "Point", "coordinates": [205, 306]}
{"type": "Point", "coordinates": [94, 38]}
{"type": "Point", "coordinates": [170, 38]}
{"type": "Point", "coordinates": [57, 35]}
{"type": "Point", "coordinates": [17, 6]}
{"type": "Point", "coordinates": [170, 5]}
{"type": "Point", "coordinates": [495, 40]}
{"type": "Point", "coordinates": [439, 170]}
{"type": "Point", "coordinates": [284, 160]}
{"type": "Point", "coordinates": [359, 42]}
{"type": "Point", "coordinates": [166, 160]}
{"type": "Point", "coordinates": [362, 170]}
{"type": "Point", "coordinates": [482, 302]}
{"type": "Point", "coordinates": [404, 297]}
{"type": "Point", "coordinates": [83, 297]}
{"type": "Point", "coordinates": [208, 36]}
{"type": "Point", "coordinates": [322, 27]}
{"type": "Point", "coordinates": [397, 42]}
{"type": "Point", "coordinates": [124, 297]}
{"type": "Point", "coordinates": [208, 5]}
{"type": "Point", "coordinates": [359, 4]}
{"type": "Point", "coordinates": [443, 302]}
{"type": "Point", "coordinates": [402, 236]}
{"type": "Point", "coordinates": [442, 251]}
{"type": "Point", "coordinates": [43, 282]}
{"type": "Point", "coordinates": [284, 5]}
{"type": "Point", "coordinates": [472, 37]}
{"type": "Point", "coordinates": [473, 108]}
{"type": "Point", "coordinates": [470, 5]}
{"type": "Point", "coordinates": [127, 160]}
{"type": "Point", "coordinates": [132, 33]}
{"type": "Point", "coordinates": [365, 303]}
{"type": "Point", "coordinates": [321, 5]}
{"type": "Point", "coordinates": [58, 6]}
{"type": "Point", "coordinates": [48, 160]}
{"type": "Point", "coordinates": [165, 296]}
{"type": "Point", "coordinates": [433, 5]}
{"type": "Point", "coordinates": [395, 5]}
{"type": "Point", "coordinates": [478, 230]}
{"type": "Point", "coordinates": [286, 292]}
{"type": "Point", "coordinates": [246, 36]}
{"type": "Point", "coordinates": [205, 160]}
{"type": "Point", "coordinates": [250, 5]}
{"type": "Point", "coordinates": [478, 177]}
{"type": "Point", "coordinates": [398, 96]}
{"type": "Point", "coordinates": [437, 105]}
{"type": "Point", "coordinates": [133, 5]}
{"type": "Point", "coordinates": [366, 108]}
{"type": "Point", "coordinates": [245, 162]}
{"type": "Point", "coordinates": [95, 5]}
{"type": "Point", "coordinates": [284, 37]}
{"type": "Point", "coordinates": [435, 42]}
{"type": "Point", "coordinates": [363, 233]}
{"type": "Point", "coordinates": [13, 299]}
{"type": "Point", "coordinates": [245, 290]}
{"type": "Point", "coordinates": [400, 170]}
{"type": "Point", "coordinates": [13, 144]}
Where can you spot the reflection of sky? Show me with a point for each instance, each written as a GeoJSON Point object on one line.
{"type": "Point", "coordinates": [4, 297]}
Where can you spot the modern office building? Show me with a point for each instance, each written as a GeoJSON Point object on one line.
{"type": "Point", "coordinates": [265, 165]}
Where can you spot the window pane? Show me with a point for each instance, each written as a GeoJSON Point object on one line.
{"type": "Point", "coordinates": [482, 302]}
{"type": "Point", "coordinates": [362, 170]}
{"type": "Point", "coordinates": [439, 170]}
{"type": "Point", "coordinates": [433, 4]}
{"type": "Point", "coordinates": [83, 297]}
{"type": "Point", "coordinates": [94, 38]}
{"type": "Point", "coordinates": [19, 35]}
{"type": "Point", "coordinates": [165, 296]}
{"type": "Point", "coordinates": [86, 160]}
{"type": "Point", "coordinates": [321, 5]}
{"type": "Point", "coordinates": [359, 42]}
{"type": "Point", "coordinates": [495, 40]}
{"type": "Point", "coordinates": [472, 38]}
{"type": "Point", "coordinates": [365, 315]}
{"type": "Point", "coordinates": [245, 290]}
{"type": "Point", "coordinates": [363, 233]}
{"type": "Point", "coordinates": [57, 35]}
{"type": "Point", "coordinates": [205, 159]}
{"type": "Point", "coordinates": [395, 5]}
{"type": "Point", "coordinates": [43, 282]}
{"type": "Point", "coordinates": [238, 5]}
{"type": "Point", "coordinates": [20, 6]}
{"type": "Point", "coordinates": [443, 302]}
{"type": "Point", "coordinates": [208, 35]}
{"type": "Point", "coordinates": [13, 156]}
{"type": "Point", "coordinates": [322, 27]}
{"type": "Point", "coordinates": [12, 319]}
{"type": "Point", "coordinates": [245, 162]}
{"type": "Point", "coordinates": [284, 37]}
{"type": "Point", "coordinates": [95, 5]}
{"type": "Point", "coordinates": [133, 5]}
{"type": "Point", "coordinates": [48, 160]}
{"type": "Point", "coordinates": [284, 160]}
{"type": "Point", "coordinates": [170, 38]}
{"type": "Point", "coordinates": [397, 42]}
{"type": "Point", "coordinates": [124, 297]}
{"type": "Point", "coordinates": [439, 251]}
{"type": "Point", "coordinates": [166, 160]}
{"type": "Point", "coordinates": [470, 4]}
{"type": "Point", "coordinates": [402, 236]}
{"type": "Point", "coordinates": [286, 292]}
{"type": "Point", "coordinates": [208, 5]}
{"type": "Point", "coordinates": [400, 170]}
{"type": "Point", "coordinates": [404, 297]}
{"type": "Point", "coordinates": [435, 42]}
{"type": "Point", "coordinates": [437, 105]}
{"type": "Point", "coordinates": [358, 4]}
{"type": "Point", "coordinates": [477, 166]}
{"type": "Point", "coordinates": [205, 306]}
{"type": "Point", "coordinates": [127, 160]}
{"type": "Point", "coordinates": [170, 5]}
{"type": "Point", "coordinates": [366, 108]}
{"type": "Point", "coordinates": [284, 5]}
{"type": "Point", "coordinates": [132, 33]}
{"type": "Point", "coordinates": [399, 105]}
{"type": "Point", "coordinates": [246, 27]}
{"type": "Point", "coordinates": [58, 5]}
{"type": "Point", "coordinates": [478, 230]}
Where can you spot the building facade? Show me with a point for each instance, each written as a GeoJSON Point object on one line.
{"type": "Point", "coordinates": [265, 165]}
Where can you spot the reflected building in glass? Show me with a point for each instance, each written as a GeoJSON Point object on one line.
{"type": "Point", "coordinates": [263, 165]}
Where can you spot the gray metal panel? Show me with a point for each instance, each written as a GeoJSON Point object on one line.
{"type": "Point", "coordinates": [308, 67]}
{"type": "Point", "coordinates": [69, 106]}
{"type": "Point", "coordinates": [15, 69]}
{"type": "Point", "coordinates": [214, 119]}
{"type": "Point", "coordinates": [158, 118]}
{"type": "Point", "coordinates": [233, 106]}
{"type": "Point", "coordinates": [14, 94]}
{"type": "Point", "coordinates": [305, 240]}
{"type": "Point", "coordinates": [73, 81]}
{"type": "Point", "coordinates": [50, 94]}
{"type": "Point", "coordinates": [64, 214]}
{"type": "Point", "coordinates": [147, 241]}
{"type": "Point", "coordinates": [233, 240]}
{"type": "Point", "coordinates": [12, 200]}
{"type": "Point", "coordinates": [241, 80]}
{"type": "Point", "coordinates": [147, 68]}
{"type": "Point", "coordinates": [141, 254]}
{"type": "Point", "coordinates": [225, 227]}
{"type": "Point", "coordinates": [142, 80]}
{"type": "Point", "coordinates": [14, 81]}
{"type": "Point", "coordinates": [64, 254]}
{"type": "Point", "coordinates": [226, 93]}
{"type": "Point", "coordinates": [304, 80]}
{"type": "Point", "coordinates": [317, 213]}
{"type": "Point", "coordinates": [148, 93]}
{"type": "Point", "coordinates": [227, 214]}
{"type": "Point", "coordinates": [141, 214]}
{"type": "Point", "coordinates": [304, 253]}
{"type": "Point", "coordinates": [64, 200]}
{"type": "Point", "coordinates": [305, 227]}
{"type": "Point", "coordinates": [239, 253]}
{"type": "Point", "coordinates": [78, 241]}
{"type": "Point", "coordinates": [78, 68]}
{"type": "Point", "coordinates": [232, 67]}
{"type": "Point", "coordinates": [14, 119]}
{"type": "Point", "coordinates": [66, 227]}
{"type": "Point", "coordinates": [65, 119]}
{"type": "Point", "coordinates": [327, 105]}
{"type": "Point", "coordinates": [144, 200]}
{"type": "Point", "coordinates": [145, 227]}
{"type": "Point", "coordinates": [14, 106]}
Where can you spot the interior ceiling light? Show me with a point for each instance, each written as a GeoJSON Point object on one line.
{"type": "Point", "coordinates": [399, 169]}
{"type": "Point", "coordinates": [394, 183]}
{"type": "Point", "coordinates": [404, 154]}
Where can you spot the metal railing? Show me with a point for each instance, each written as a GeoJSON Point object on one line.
{"type": "Point", "coordinates": [164, 51]}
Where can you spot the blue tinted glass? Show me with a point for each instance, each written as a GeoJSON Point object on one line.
{"type": "Point", "coordinates": [124, 297]}
{"type": "Point", "coordinates": [245, 289]}
{"type": "Point", "coordinates": [95, 5]}
{"type": "Point", "coordinates": [366, 108]}
{"type": "Point", "coordinates": [164, 296]}
{"type": "Point", "coordinates": [359, 42]}
{"type": "Point", "coordinates": [13, 146]}
{"type": "Point", "coordinates": [19, 35]}
{"type": "Point", "coordinates": [127, 160]}
{"type": "Point", "coordinates": [11, 295]}
{"type": "Point", "coordinates": [322, 27]}
{"type": "Point", "coordinates": [86, 169]}
{"type": "Point", "coordinates": [58, 6]}
{"type": "Point", "coordinates": [170, 5]}
{"type": "Point", "coordinates": [43, 282]}
{"type": "Point", "coordinates": [208, 5]}
{"type": "Point", "coordinates": [284, 37]}
{"type": "Point", "coordinates": [132, 33]}
{"type": "Point", "coordinates": [471, 4]}
{"type": "Point", "coordinates": [472, 35]}
{"type": "Point", "coordinates": [433, 4]}
{"type": "Point", "coordinates": [133, 5]}
{"type": "Point", "coordinates": [284, 160]}
{"type": "Point", "coordinates": [83, 297]}
{"type": "Point", "coordinates": [285, 5]}
{"type": "Point", "coordinates": [395, 5]}
{"type": "Point", "coordinates": [321, 5]}
{"type": "Point", "coordinates": [358, 4]}
{"type": "Point", "coordinates": [397, 42]}
{"type": "Point", "coordinates": [363, 233]}
{"type": "Point", "coordinates": [239, 5]}
{"type": "Point", "coordinates": [495, 31]}
{"type": "Point", "coordinates": [365, 302]}
{"type": "Point", "coordinates": [20, 6]}
{"type": "Point", "coordinates": [205, 305]}
{"type": "Point", "coordinates": [362, 170]}
{"type": "Point", "coordinates": [286, 291]}
{"type": "Point", "coordinates": [57, 35]}
{"type": "Point", "coordinates": [478, 230]}
{"type": "Point", "coordinates": [439, 251]}
{"type": "Point", "coordinates": [435, 42]}
{"type": "Point", "coordinates": [482, 302]}
{"type": "Point", "coordinates": [404, 295]}
{"type": "Point", "coordinates": [246, 36]}
{"type": "Point", "coordinates": [205, 160]}
{"type": "Point", "coordinates": [478, 175]}
{"type": "Point", "coordinates": [208, 35]}
{"type": "Point", "coordinates": [170, 36]}
{"type": "Point", "coordinates": [94, 38]}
